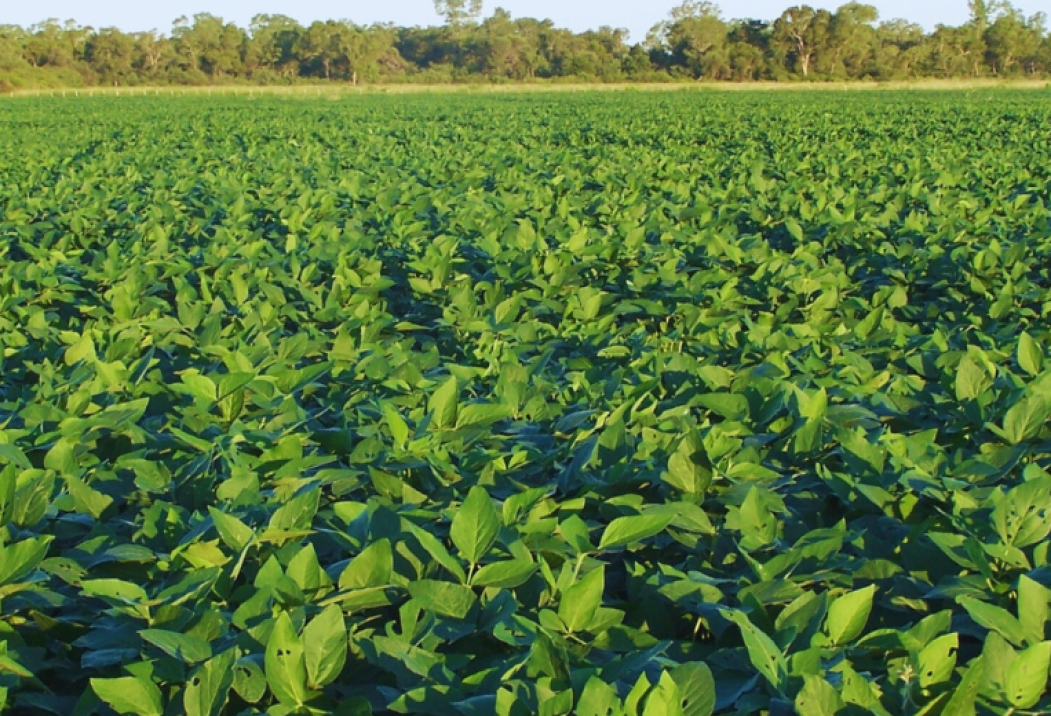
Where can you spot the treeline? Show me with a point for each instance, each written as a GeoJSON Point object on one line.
{"type": "Point", "coordinates": [695, 42]}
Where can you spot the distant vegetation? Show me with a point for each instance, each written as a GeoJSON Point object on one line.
{"type": "Point", "coordinates": [695, 42]}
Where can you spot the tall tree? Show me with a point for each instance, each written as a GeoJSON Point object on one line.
{"type": "Point", "coordinates": [694, 41]}
{"type": "Point", "coordinates": [1013, 42]}
{"type": "Point", "coordinates": [12, 46]}
{"type": "Point", "coordinates": [851, 41]}
{"type": "Point", "coordinates": [321, 47]}
{"type": "Point", "coordinates": [956, 51]}
{"type": "Point", "coordinates": [696, 38]}
{"type": "Point", "coordinates": [154, 54]}
{"type": "Point", "coordinates": [458, 12]}
{"type": "Point", "coordinates": [363, 47]}
{"type": "Point", "coordinates": [209, 45]}
{"type": "Point", "coordinates": [272, 44]}
{"type": "Point", "coordinates": [900, 51]}
{"type": "Point", "coordinates": [56, 44]}
{"type": "Point", "coordinates": [801, 32]}
{"type": "Point", "coordinates": [749, 49]}
{"type": "Point", "coordinates": [111, 54]}
{"type": "Point", "coordinates": [509, 48]}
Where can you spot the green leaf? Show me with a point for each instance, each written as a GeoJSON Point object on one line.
{"type": "Point", "coordinates": [325, 647]}
{"type": "Point", "coordinates": [1025, 418]}
{"type": "Point", "coordinates": [130, 695]}
{"type": "Point", "coordinates": [597, 699]}
{"type": "Point", "coordinates": [576, 534]}
{"type": "Point", "coordinates": [115, 589]}
{"type": "Point", "coordinates": [814, 408]}
{"type": "Point", "coordinates": [1034, 609]}
{"type": "Point", "coordinates": [234, 533]}
{"type": "Point", "coordinates": [860, 691]}
{"type": "Point", "coordinates": [1030, 355]}
{"type": "Point", "coordinates": [14, 455]}
{"type": "Point", "coordinates": [476, 415]}
{"type": "Point", "coordinates": [305, 570]}
{"type": "Point", "coordinates": [87, 500]}
{"type": "Point", "coordinates": [963, 698]}
{"type": "Point", "coordinates": [286, 671]}
{"type": "Point", "coordinates": [9, 664]}
{"type": "Point", "coordinates": [971, 380]}
{"type": "Point", "coordinates": [199, 386]}
{"type": "Point", "coordinates": [818, 697]}
{"type": "Point", "coordinates": [17, 560]}
{"type": "Point", "coordinates": [580, 603]}
{"type": "Point", "coordinates": [626, 530]}
{"type": "Point", "coordinates": [8, 485]}
{"type": "Point", "coordinates": [185, 647]}
{"type": "Point", "coordinates": [507, 574]}
{"type": "Point", "coordinates": [696, 687]}
{"type": "Point", "coordinates": [1023, 517]}
{"type": "Point", "coordinates": [208, 686]}
{"type": "Point", "coordinates": [1027, 676]}
{"type": "Point", "coordinates": [684, 474]}
{"type": "Point", "coordinates": [763, 653]}
{"type": "Point", "coordinates": [758, 524]}
{"type": "Point", "coordinates": [936, 661]}
{"type": "Point", "coordinates": [371, 568]}
{"type": "Point", "coordinates": [443, 403]}
{"type": "Point", "coordinates": [636, 695]}
{"type": "Point", "coordinates": [444, 598]}
{"type": "Point", "coordinates": [995, 618]}
{"type": "Point", "coordinates": [848, 614]}
{"type": "Point", "coordinates": [297, 513]}
{"type": "Point", "coordinates": [475, 525]}
{"type": "Point", "coordinates": [62, 457]}
{"type": "Point", "coordinates": [82, 350]}
{"type": "Point", "coordinates": [435, 549]}
{"type": "Point", "coordinates": [249, 679]}
{"type": "Point", "coordinates": [664, 699]}
{"type": "Point", "coordinates": [399, 429]}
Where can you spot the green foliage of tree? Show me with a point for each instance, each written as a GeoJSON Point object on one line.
{"type": "Point", "coordinates": [696, 41]}
{"type": "Point", "coordinates": [458, 12]}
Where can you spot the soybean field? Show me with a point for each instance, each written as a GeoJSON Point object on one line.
{"type": "Point", "coordinates": [618, 404]}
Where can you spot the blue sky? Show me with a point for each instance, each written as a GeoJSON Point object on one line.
{"type": "Point", "coordinates": [636, 16]}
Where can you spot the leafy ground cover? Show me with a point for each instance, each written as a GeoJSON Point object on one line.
{"type": "Point", "coordinates": [608, 405]}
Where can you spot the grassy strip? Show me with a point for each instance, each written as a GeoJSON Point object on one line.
{"type": "Point", "coordinates": [342, 90]}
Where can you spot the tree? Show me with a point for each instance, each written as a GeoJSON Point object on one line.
{"type": "Point", "coordinates": [509, 48]}
{"type": "Point", "coordinates": [801, 32]}
{"type": "Point", "coordinates": [209, 45]}
{"type": "Point", "coordinates": [956, 51]}
{"type": "Point", "coordinates": [12, 46]}
{"type": "Point", "coordinates": [271, 45]}
{"type": "Point", "coordinates": [693, 41]}
{"type": "Point", "coordinates": [111, 54]}
{"type": "Point", "coordinates": [458, 13]}
{"type": "Point", "coordinates": [749, 48]}
{"type": "Point", "coordinates": [55, 44]}
{"type": "Point", "coordinates": [363, 47]}
{"type": "Point", "coordinates": [900, 50]}
{"type": "Point", "coordinates": [696, 37]}
{"type": "Point", "coordinates": [321, 47]}
{"type": "Point", "coordinates": [1012, 41]}
{"type": "Point", "coordinates": [595, 54]}
{"type": "Point", "coordinates": [154, 54]}
{"type": "Point", "coordinates": [425, 47]}
{"type": "Point", "coordinates": [851, 41]}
